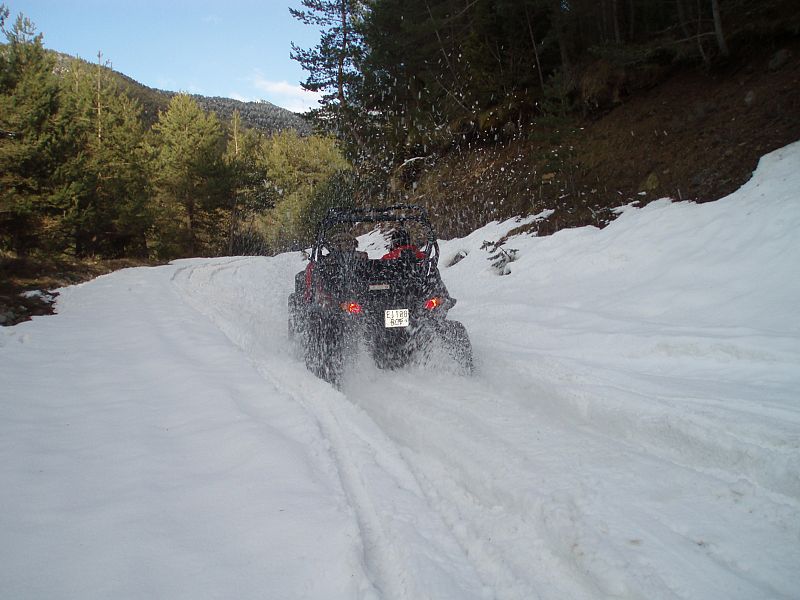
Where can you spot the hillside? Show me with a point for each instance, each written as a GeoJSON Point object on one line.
{"type": "Point", "coordinates": [697, 135]}
{"type": "Point", "coordinates": [262, 116]}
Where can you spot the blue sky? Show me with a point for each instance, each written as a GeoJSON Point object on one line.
{"type": "Point", "coordinates": [236, 49]}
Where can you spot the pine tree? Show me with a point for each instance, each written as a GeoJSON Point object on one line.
{"type": "Point", "coordinates": [102, 177]}
{"type": "Point", "coordinates": [29, 216]}
{"type": "Point", "coordinates": [248, 183]}
{"type": "Point", "coordinates": [295, 168]}
{"type": "Point", "coordinates": [191, 179]}
{"type": "Point", "coordinates": [332, 65]}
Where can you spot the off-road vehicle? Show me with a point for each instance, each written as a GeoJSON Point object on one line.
{"type": "Point", "coordinates": [391, 301]}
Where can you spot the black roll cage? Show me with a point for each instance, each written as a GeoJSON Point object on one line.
{"type": "Point", "coordinates": [397, 213]}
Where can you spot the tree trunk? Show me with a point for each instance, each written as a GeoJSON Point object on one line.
{"type": "Point", "coordinates": [723, 46]}
{"type": "Point", "coordinates": [234, 226]}
{"type": "Point", "coordinates": [190, 221]}
{"type": "Point", "coordinates": [234, 196]}
{"type": "Point", "coordinates": [535, 49]}
{"type": "Point", "coordinates": [558, 24]}
{"type": "Point", "coordinates": [684, 22]}
{"type": "Point", "coordinates": [631, 19]}
{"type": "Point", "coordinates": [340, 66]}
{"type": "Point", "coordinates": [601, 22]}
{"type": "Point", "coordinates": [699, 33]}
{"type": "Point", "coordinates": [98, 99]}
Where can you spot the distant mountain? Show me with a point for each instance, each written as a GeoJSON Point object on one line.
{"type": "Point", "coordinates": [262, 116]}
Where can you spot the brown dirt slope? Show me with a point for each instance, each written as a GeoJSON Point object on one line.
{"type": "Point", "coordinates": [20, 275]}
{"type": "Point", "coordinates": [696, 135]}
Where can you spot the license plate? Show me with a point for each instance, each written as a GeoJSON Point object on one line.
{"type": "Point", "coordinates": [396, 317]}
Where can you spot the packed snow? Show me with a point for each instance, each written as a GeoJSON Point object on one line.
{"type": "Point", "coordinates": [632, 429]}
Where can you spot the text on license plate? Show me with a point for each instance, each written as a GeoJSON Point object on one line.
{"type": "Point", "coordinates": [396, 317]}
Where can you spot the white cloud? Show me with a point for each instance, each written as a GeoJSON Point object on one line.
{"type": "Point", "coordinates": [284, 94]}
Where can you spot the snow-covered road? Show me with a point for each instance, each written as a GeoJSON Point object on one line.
{"type": "Point", "coordinates": [632, 430]}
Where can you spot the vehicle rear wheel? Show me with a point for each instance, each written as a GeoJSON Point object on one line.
{"type": "Point", "coordinates": [324, 349]}
{"type": "Point", "coordinates": [293, 325]}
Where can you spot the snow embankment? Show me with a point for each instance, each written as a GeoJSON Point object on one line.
{"type": "Point", "coordinates": [690, 307]}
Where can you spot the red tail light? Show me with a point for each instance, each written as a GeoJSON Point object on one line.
{"type": "Point", "coordinates": [433, 303]}
{"type": "Point", "coordinates": [354, 308]}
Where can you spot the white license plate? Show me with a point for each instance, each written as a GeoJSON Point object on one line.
{"type": "Point", "coordinates": [396, 317]}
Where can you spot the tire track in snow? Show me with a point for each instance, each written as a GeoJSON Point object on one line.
{"type": "Point", "coordinates": [680, 429]}
{"type": "Point", "coordinates": [380, 557]}
{"type": "Point", "coordinates": [497, 486]}
{"type": "Point", "coordinates": [501, 575]}
{"type": "Point", "coordinates": [381, 570]}
{"type": "Point", "coordinates": [406, 544]}
{"type": "Point", "coordinates": [530, 523]}
{"type": "Point", "coordinates": [386, 500]}
{"type": "Point", "coordinates": [459, 473]}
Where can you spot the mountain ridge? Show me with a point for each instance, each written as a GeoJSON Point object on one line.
{"type": "Point", "coordinates": [260, 115]}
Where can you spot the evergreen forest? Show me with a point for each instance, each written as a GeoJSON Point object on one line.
{"type": "Point", "coordinates": [415, 78]}
{"type": "Point", "coordinates": [85, 172]}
